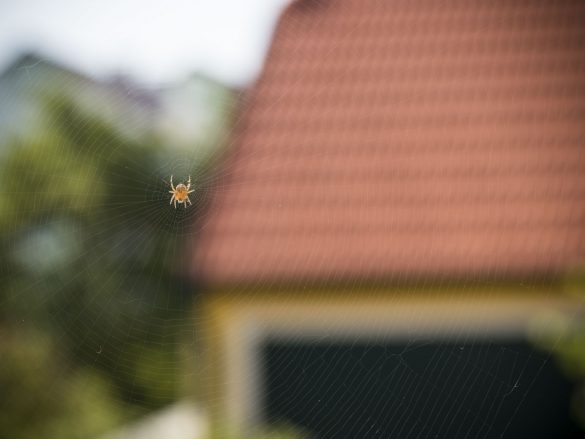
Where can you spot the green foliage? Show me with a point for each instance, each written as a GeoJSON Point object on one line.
{"type": "Point", "coordinates": [41, 401]}
{"type": "Point", "coordinates": [87, 260]}
{"type": "Point", "coordinates": [564, 336]}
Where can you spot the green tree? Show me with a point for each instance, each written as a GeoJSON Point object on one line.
{"type": "Point", "coordinates": [90, 260]}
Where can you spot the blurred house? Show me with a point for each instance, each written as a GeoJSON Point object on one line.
{"type": "Point", "coordinates": [31, 79]}
{"type": "Point", "coordinates": [194, 112]}
{"type": "Point", "coordinates": [404, 174]}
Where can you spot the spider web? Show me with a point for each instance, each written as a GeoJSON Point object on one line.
{"type": "Point", "coordinates": [97, 277]}
{"type": "Point", "coordinates": [93, 272]}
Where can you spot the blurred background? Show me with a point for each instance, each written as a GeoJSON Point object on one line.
{"type": "Point", "coordinates": [386, 236]}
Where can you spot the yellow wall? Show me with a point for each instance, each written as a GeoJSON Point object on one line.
{"type": "Point", "coordinates": [234, 323]}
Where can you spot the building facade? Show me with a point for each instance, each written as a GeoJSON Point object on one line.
{"type": "Point", "coordinates": [402, 172]}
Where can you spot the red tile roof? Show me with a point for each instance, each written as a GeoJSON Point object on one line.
{"type": "Point", "coordinates": [399, 139]}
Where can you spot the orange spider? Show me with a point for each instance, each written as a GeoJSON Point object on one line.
{"type": "Point", "coordinates": [181, 193]}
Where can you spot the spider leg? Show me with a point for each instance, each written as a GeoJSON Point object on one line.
{"type": "Point", "coordinates": [189, 201]}
{"type": "Point", "coordinates": [185, 204]}
{"type": "Point", "coordinates": [192, 190]}
{"type": "Point", "coordinates": [175, 203]}
{"type": "Point", "coordinates": [172, 198]}
{"type": "Point", "coordinates": [172, 187]}
{"type": "Point", "coordinates": [189, 183]}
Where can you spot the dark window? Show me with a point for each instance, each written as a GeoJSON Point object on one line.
{"type": "Point", "coordinates": [416, 390]}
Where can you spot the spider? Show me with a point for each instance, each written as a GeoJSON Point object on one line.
{"type": "Point", "coordinates": [181, 193]}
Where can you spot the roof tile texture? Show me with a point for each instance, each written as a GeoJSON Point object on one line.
{"type": "Point", "coordinates": [405, 139]}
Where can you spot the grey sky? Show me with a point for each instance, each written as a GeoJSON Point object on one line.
{"type": "Point", "coordinates": [154, 42]}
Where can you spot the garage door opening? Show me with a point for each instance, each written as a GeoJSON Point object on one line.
{"type": "Point", "coordinates": [419, 389]}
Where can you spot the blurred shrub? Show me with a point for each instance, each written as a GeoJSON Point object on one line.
{"type": "Point", "coordinates": [41, 401]}
{"type": "Point", "coordinates": [564, 336]}
{"type": "Point", "coordinates": [87, 260]}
